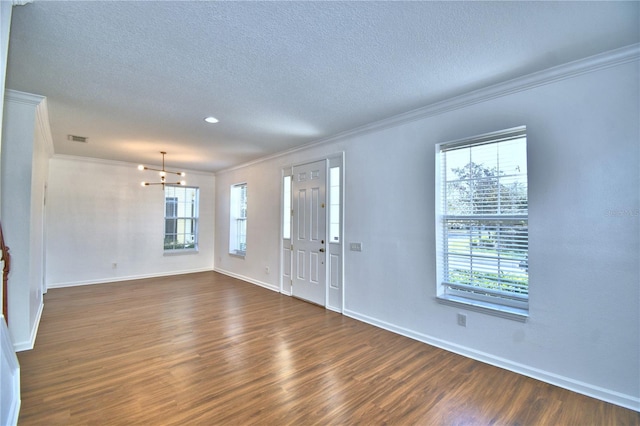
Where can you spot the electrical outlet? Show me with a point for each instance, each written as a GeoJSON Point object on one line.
{"type": "Point", "coordinates": [266, 269]}
{"type": "Point", "coordinates": [462, 320]}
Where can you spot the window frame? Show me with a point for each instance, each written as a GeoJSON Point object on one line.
{"type": "Point", "coordinates": [287, 181]}
{"type": "Point", "coordinates": [174, 201]}
{"type": "Point", "coordinates": [334, 230]}
{"type": "Point", "coordinates": [513, 303]}
{"type": "Point", "coordinates": [238, 219]}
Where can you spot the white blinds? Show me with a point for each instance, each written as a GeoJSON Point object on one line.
{"type": "Point", "coordinates": [484, 217]}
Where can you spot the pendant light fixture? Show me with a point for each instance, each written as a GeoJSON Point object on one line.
{"type": "Point", "coordinates": [163, 174]}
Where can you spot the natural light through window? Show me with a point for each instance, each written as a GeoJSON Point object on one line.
{"type": "Point", "coordinates": [483, 211]}
{"type": "Point", "coordinates": [180, 218]}
{"type": "Point", "coordinates": [286, 208]}
{"type": "Point", "coordinates": [238, 220]}
{"type": "Point", "coordinates": [334, 204]}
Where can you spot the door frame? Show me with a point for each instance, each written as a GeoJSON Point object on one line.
{"type": "Point", "coordinates": [334, 290]}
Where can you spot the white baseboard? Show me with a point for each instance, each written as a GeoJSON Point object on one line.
{"type": "Point", "coordinates": [29, 344]}
{"type": "Point", "coordinates": [617, 398]}
{"type": "Point", "coordinates": [333, 308]}
{"type": "Point", "coordinates": [247, 279]}
{"type": "Point", "coordinates": [125, 278]}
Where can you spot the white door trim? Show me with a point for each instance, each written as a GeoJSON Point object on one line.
{"type": "Point", "coordinates": [335, 297]}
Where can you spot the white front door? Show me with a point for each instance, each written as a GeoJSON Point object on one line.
{"type": "Point", "coordinates": [308, 233]}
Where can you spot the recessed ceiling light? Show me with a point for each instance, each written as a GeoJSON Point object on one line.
{"type": "Point", "coordinates": [211, 120]}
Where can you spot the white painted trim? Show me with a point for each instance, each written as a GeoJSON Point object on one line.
{"type": "Point", "coordinates": [119, 163]}
{"type": "Point", "coordinates": [30, 344]}
{"type": "Point", "coordinates": [343, 220]}
{"type": "Point", "coordinates": [608, 395]}
{"type": "Point", "coordinates": [22, 97]}
{"type": "Point", "coordinates": [247, 279]}
{"type": "Point", "coordinates": [42, 121]}
{"type": "Point", "coordinates": [14, 387]}
{"type": "Point", "coordinates": [284, 171]}
{"type": "Point", "coordinates": [551, 75]}
{"type": "Point", "coordinates": [126, 278]}
{"type": "Point", "coordinates": [339, 157]}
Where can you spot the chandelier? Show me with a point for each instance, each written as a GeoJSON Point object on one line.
{"type": "Point", "coordinates": [163, 174]}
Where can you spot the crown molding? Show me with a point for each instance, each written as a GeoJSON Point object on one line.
{"type": "Point", "coordinates": [22, 97]}
{"type": "Point", "coordinates": [20, 2]}
{"type": "Point", "coordinates": [565, 71]}
{"type": "Point", "coordinates": [127, 164]}
{"type": "Point", "coordinates": [42, 113]}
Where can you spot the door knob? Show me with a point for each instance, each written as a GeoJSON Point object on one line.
{"type": "Point", "coordinates": [321, 250]}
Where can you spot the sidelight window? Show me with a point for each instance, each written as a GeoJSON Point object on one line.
{"type": "Point", "coordinates": [286, 207]}
{"type": "Point", "coordinates": [334, 204]}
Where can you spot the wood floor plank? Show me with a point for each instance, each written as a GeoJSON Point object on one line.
{"type": "Point", "coordinates": [206, 349]}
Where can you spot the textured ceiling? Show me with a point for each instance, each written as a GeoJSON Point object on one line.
{"type": "Point", "coordinates": [139, 77]}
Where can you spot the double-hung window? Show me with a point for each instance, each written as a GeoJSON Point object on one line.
{"type": "Point", "coordinates": [180, 218]}
{"type": "Point", "coordinates": [238, 220]}
{"type": "Point", "coordinates": [482, 222]}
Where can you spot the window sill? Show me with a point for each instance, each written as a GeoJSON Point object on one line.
{"type": "Point", "coordinates": [241, 255]}
{"type": "Point", "coordinates": [501, 311]}
{"type": "Point", "coordinates": [180, 252]}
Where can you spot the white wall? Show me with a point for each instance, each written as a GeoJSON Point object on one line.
{"type": "Point", "coordinates": [10, 376]}
{"type": "Point", "coordinates": [6, 7]}
{"type": "Point", "coordinates": [5, 27]}
{"type": "Point", "coordinates": [98, 214]}
{"type": "Point", "coordinates": [583, 130]}
{"type": "Point", "coordinates": [26, 150]}
{"type": "Point", "coordinates": [263, 225]}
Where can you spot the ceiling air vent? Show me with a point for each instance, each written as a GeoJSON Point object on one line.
{"type": "Point", "coordinates": [74, 138]}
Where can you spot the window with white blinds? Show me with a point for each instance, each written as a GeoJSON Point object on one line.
{"type": "Point", "coordinates": [483, 220]}
{"type": "Point", "coordinates": [180, 218]}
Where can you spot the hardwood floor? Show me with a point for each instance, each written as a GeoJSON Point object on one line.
{"type": "Point", "coordinates": [206, 349]}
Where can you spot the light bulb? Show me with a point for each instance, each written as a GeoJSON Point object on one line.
{"type": "Point", "coordinates": [182, 174]}
{"type": "Point", "coordinates": [183, 183]}
{"type": "Point", "coordinates": [163, 174]}
{"type": "Point", "coordinates": [140, 167]}
{"type": "Point", "coordinates": [144, 184]}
